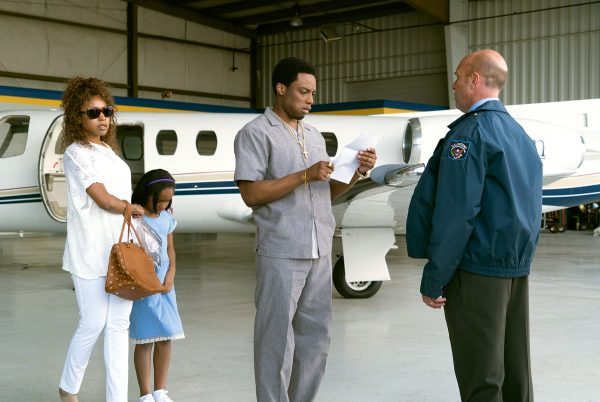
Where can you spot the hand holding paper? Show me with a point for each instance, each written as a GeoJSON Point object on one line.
{"type": "Point", "coordinates": [347, 162]}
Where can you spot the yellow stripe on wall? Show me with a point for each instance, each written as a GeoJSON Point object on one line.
{"type": "Point", "coordinates": [53, 103]}
{"type": "Point", "coordinates": [128, 108]}
{"type": "Point", "coordinates": [360, 112]}
{"type": "Point", "coordinates": [30, 101]}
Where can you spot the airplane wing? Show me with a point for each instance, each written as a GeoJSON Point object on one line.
{"type": "Point", "coordinates": [369, 215]}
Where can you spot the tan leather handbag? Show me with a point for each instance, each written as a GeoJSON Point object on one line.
{"type": "Point", "coordinates": [131, 272]}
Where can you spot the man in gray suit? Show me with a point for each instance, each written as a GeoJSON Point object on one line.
{"type": "Point", "coordinates": [283, 173]}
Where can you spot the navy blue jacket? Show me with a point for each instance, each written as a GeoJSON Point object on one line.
{"type": "Point", "coordinates": [479, 208]}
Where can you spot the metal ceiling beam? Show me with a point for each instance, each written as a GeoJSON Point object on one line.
{"type": "Point", "coordinates": [192, 14]}
{"type": "Point", "coordinates": [132, 50]}
{"type": "Point", "coordinates": [438, 9]}
{"type": "Point", "coordinates": [194, 43]}
{"type": "Point", "coordinates": [63, 22]}
{"type": "Point", "coordinates": [186, 1]}
{"type": "Point", "coordinates": [397, 7]}
{"type": "Point", "coordinates": [303, 11]}
{"type": "Point", "coordinates": [238, 6]}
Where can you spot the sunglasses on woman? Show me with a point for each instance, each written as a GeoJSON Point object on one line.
{"type": "Point", "coordinates": [94, 112]}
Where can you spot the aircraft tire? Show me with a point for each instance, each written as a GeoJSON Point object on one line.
{"type": "Point", "coordinates": [353, 290]}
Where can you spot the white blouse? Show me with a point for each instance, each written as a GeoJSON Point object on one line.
{"type": "Point", "coordinates": [91, 231]}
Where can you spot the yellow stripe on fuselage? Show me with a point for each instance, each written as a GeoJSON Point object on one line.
{"type": "Point", "coordinates": [19, 191]}
{"type": "Point", "coordinates": [181, 178]}
{"type": "Point", "coordinates": [575, 181]}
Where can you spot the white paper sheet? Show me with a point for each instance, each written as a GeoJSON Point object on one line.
{"type": "Point", "coordinates": [347, 162]}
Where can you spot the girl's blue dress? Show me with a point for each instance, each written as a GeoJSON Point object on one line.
{"type": "Point", "coordinates": [156, 318]}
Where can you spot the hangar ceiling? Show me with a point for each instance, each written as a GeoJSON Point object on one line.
{"type": "Point", "coordinates": [254, 18]}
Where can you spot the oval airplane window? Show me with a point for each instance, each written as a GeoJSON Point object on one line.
{"type": "Point", "coordinates": [166, 142]}
{"type": "Point", "coordinates": [13, 135]}
{"type": "Point", "coordinates": [331, 143]}
{"type": "Point", "coordinates": [206, 142]}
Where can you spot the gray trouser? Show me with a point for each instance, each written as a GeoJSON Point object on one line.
{"type": "Point", "coordinates": [488, 324]}
{"type": "Point", "coordinates": [292, 328]}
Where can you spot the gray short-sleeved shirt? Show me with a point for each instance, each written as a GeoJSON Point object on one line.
{"type": "Point", "coordinates": [265, 150]}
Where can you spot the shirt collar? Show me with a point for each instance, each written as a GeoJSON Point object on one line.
{"type": "Point", "coordinates": [276, 121]}
{"type": "Point", "coordinates": [481, 102]}
{"type": "Point", "coordinates": [271, 116]}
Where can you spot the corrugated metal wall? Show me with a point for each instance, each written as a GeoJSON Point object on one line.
{"type": "Point", "coordinates": [399, 46]}
{"type": "Point", "coordinates": [552, 47]}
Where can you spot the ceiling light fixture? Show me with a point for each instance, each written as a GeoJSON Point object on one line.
{"type": "Point", "coordinates": [296, 20]}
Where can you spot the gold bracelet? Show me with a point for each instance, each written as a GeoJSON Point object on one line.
{"type": "Point", "coordinates": [305, 179]}
{"type": "Point", "coordinates": [363, 175]}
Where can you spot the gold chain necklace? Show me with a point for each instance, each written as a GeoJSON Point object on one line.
{"type": "Point", "coordinates": [296, 136]}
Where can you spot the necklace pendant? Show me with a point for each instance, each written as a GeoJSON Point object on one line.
{"type": "Point", "coordinates": [305, 153]}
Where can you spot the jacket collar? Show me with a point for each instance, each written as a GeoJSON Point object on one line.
{"type": "Point", "coordinates": [489, 106]}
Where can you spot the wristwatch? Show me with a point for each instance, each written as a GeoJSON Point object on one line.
{"type": "Point", "coordinates": [363, 175]}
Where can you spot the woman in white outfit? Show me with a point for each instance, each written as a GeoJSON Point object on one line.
{"type": "Point", "coordinates": [98, 185]}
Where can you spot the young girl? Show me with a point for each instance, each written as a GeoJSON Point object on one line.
{"type": "Point", "coordinates": [155, 320]}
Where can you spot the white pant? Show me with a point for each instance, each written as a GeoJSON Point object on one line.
{"type": "Point", "coordinates": [99, 310]}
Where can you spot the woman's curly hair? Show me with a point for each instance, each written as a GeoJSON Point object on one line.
{"type": "Point", "coordinates": [80, 90]}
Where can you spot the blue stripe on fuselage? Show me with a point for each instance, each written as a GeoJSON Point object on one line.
{"type": "Point", "coordinates": [571, 196]}
{"type": "Point", "coordinates": [20, 199]}
{"type": "Point", "coordinates": [207, 187]}
{"type": "Point", "coordinates": [195, 188]}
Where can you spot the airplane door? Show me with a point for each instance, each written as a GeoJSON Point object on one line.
{"type": "Point", "coordinates": [53, 186]}
{"type": "Point", "coordinates": [51, 173]}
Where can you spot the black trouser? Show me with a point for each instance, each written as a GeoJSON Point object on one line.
{"type": "Point", "coordinates": [488, 325]}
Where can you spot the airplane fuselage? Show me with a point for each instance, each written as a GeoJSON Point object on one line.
{"type": "Point", "coordinates": [197, 149]}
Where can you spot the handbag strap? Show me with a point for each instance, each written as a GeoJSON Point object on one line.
{"type": "Point", "coordinates": [127, 221]}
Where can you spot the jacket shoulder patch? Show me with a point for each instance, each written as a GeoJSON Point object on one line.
{"type": "Point", "coordinates": [459, 149]}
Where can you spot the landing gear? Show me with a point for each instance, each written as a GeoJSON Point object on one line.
{"type": "Point", "coordinates": [555, 221]}
{"type": "Point", "coordinates": [557, 228]}
{"type": "Point", "coordinates": [352, 290]}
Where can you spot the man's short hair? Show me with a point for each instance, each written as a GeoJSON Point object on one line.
{"type": "Point", "coordinates": [287, 70]}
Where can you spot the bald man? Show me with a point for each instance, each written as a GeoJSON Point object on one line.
{"type": "Point", "coordinates": [475, 215]}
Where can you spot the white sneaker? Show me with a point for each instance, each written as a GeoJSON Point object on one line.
{"type": "Point", "coordinates": [147, 398]}
{"type": "Point", "coordinates": [160, 395]}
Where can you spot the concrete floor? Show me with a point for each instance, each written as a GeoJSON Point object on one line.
{"type": "Point", "coordinates": [387, 348]}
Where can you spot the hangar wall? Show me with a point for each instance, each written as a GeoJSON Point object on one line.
{"type": "Point", "coordinates": [387, 51]}
{"type": "Point", "coordinates": [44, 43]}
{"type": "Point", "coordinates": [552, 48]}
